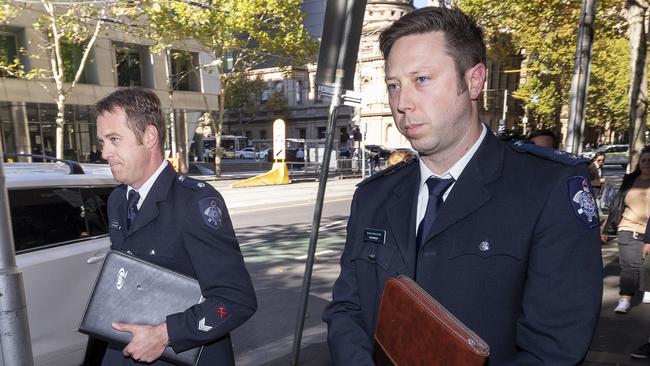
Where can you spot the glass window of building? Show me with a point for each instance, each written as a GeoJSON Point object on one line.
{"type": "Point", "coordinates": [343, 135]}
{"type": "Point", "coordinates": [8, 52]}
{"type": "Point", "coordinates": [128, 65]}
{"type": "Point", "coordinates": [263, 135]}
{"type": "Point", "coordinates": [72, 54]}
{"type": "Point", "coordinates": [279, 87]}
{"type": "Point", "coordinates": [302, 133]}
{"type": "Point", "coordinates": [185, 76]}
{"type": "Point", "coordinates": [321, 132]}
{"type": "Point", "coordinates": [298, 91]}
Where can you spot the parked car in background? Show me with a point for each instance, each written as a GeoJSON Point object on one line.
{"type": "Point", "coordinates": [264, 154]}
{"type": "Point", "coordinates": [225, 154]}
{"type": "Point", "coordinates": [614, 154]}
{"type": "Point", "coordinates": [60, 232]}
{"type": "Point", "coordinates": [246, 153]}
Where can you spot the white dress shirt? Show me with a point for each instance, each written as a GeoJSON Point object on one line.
{"type": "Point", "coordinates": [453, 172]}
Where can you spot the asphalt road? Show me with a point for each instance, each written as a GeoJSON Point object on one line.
{"type": "Point", "coordinates": [274, 240]}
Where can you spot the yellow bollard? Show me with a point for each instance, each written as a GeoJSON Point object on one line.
{"type": "Point", "coordinates": [277, 175]}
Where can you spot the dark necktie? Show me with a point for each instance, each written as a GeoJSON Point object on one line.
{"type": "Point", "coordinates": [437, 188]}
{"type": "Point", "coordinates": [132, 207]}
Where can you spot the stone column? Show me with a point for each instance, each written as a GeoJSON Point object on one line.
{"type": "Point", "coordinates": [21, 130]}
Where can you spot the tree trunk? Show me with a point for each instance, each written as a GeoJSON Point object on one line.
{"type": "Point", "coordinates": [637, 28]}
{"type": "Point", "coordinates": [240, 119]}
{"type": "Point", "coordinates": [60, 125]}
{"type": "Point", "coordinates": [217, 134]}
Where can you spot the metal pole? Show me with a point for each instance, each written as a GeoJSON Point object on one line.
{"type": "Point", "coordinates": [15, 345]}
{"type": "Point", "coordinates": [363, 150]}
{"type": "Point", "coordinates": [505, 106]}
{"type": "Point", "coordinates": [313, 237]}
{"type": "Point", "coordinates": [580, 83]}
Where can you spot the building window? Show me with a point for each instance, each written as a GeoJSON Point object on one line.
{"type": "Point", "coordinates": [185, 76]}
{"type": "Point", "coordinates": [72, 54]}
{"type": "Point", "coordinates": [263, 135]}
{"type": "Point", "coordinates": [278, 87]}
{"type": "Point", "coordinates": [302, 133]}
{"type": "Point", "coordinates": [8, 52]}
{"type": "Point", "coordinates": [265, 96]}
{"type": "Point", "coordinates": [249, 135]}
{"type": "Point", "coordinates": [343, 135]}
{"type": "Point", "coordinates": [298, 91]}
{"type": "Point", "coordinates": [129, 66]}
{"type": "Point", "coordinates": [321, 132]}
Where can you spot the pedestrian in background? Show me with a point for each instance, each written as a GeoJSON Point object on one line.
{"type": "Point", "coordinates": [506, 240]}
{"type": "Point", "coordinates": [95, 155]}
{"type": "Point", "coordinates": [643, 351]}
{"type": "Point", "coordinates": [596, 176]}
{"type": "Point", "coordinates": [627, 218]}
{"type": "Point", "coordinates": [175, 222]}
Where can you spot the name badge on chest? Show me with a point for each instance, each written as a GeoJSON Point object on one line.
{"type": "Point", "coordinates": [374, 235]}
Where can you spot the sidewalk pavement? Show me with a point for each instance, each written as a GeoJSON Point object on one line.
{"type": "Point", "coordinates": [616, 335]}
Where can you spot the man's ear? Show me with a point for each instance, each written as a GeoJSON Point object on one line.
{"type": "Point", "coordinates": [476, 79]}
{"type": "Point", "coordinates": [150, 136]}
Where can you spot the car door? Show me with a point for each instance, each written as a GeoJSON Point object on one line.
{"type": "Point", "coordinates": [616, 155]}
{"type": "Point", "coordinates": [60, 239]}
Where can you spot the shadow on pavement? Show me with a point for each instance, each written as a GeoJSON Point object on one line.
{"type": "Point", "coordinates": [275, 256]}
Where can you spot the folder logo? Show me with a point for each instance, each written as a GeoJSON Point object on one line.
{"type": "Point", "coordinates": [121, 275]}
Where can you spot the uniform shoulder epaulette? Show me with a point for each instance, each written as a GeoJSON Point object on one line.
{"type": "Point", "coordinates": [191, 183]}
{"type": "Point", "coordinates": [559, 156]}
{"type": "Point", "coordinates": [388, 171]}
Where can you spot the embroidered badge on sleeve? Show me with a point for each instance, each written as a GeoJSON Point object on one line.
{"type": "Point", "coordinates": [210, 212]}
{"type": "Point", "coordinates": [583, 202]}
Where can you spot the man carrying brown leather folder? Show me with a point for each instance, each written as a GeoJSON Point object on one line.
{"type": "Point", "coordinates": [503, 236]}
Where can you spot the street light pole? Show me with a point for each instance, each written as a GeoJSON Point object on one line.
{"type": "Point", "coordinates": [15, 343]}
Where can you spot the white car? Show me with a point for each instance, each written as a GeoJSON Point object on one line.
{"type": "Point", "coordinates": [264, 154]}
{"type": "Point", "coordinates": [246, 153]}
{"type": "Point", "coordinates": [61, 238]}
{"type": "Point", "coordinates": [614, 154]}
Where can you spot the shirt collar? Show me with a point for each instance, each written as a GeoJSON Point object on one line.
{"type": "Point", "coordinates": [146, 187]}
{"type": "Point", "coordinates": [458, 167]}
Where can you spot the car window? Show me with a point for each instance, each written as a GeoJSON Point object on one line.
{"type": "Point", "coordinates": [43, 217]}
{"type": "Point", "coordinates": [94, 210]}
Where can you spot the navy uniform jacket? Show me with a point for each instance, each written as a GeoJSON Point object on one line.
{"type": "Point", "coordinates": [183, 225]}
{"type": "Point", "coordinates": [511, 254]}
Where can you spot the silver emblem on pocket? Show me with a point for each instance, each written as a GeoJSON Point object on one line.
{"type": "Point", "coordinates": [152, 252]}
{"type": "Point", "coordinates": [484, 246]}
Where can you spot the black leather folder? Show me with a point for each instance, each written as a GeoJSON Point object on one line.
{"type": "Point", "coordinates": [130, 290]}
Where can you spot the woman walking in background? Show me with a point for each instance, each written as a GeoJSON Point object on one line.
{"type": "Point", "coordinates": [628, 216]}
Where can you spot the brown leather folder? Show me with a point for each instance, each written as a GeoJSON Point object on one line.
{"type": "Point", "coordinates": [414, 329]}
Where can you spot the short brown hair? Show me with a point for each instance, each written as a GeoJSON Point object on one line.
{"type": "Point", "coordinates": [142, 109]}
{"type": "Point", "coordinates": [463, 38]}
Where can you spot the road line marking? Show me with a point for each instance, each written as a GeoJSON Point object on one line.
{"type": "Point", "coordinates": [315, 255]}
{"type": "Point", "coordinates": [238, 212]}
{"type": "Point", "coordinates": [253, 242]}
{"type": "Point", "coordinates": [334, 223]}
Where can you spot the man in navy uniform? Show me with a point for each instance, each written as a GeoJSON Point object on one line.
{"type": "Point", "coordinates": [175, 222]}
{"type": "Point", "coordinates": [505, 237]}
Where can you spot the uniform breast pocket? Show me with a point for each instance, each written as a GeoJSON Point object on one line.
{"type": "Point", "coordinates": [504, 246]}
{"type": "Point", "coordinates": [374, 253]}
